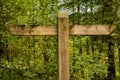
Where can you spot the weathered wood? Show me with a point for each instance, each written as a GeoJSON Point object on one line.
{"type": "Point", "coordinates": [63, 40]}
{"type": "Point", "coordinates": [91, 29]}
{"type": "Point", "coordinates": [63, 30]}
{"type": "Point", "coordinates": [39, 30]}
{"type": "Point", "coordinates": [52, 30]}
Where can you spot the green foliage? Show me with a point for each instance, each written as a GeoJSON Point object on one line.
{"type": "Point", "coordinates": [92, 11]}
{"type": "Point", "coordinates": [32, 12]}
{"type": "Point", "coordinates": [84, 63]}
{"type": "Point", "coordinates": [33, 60]}
{"type": "Point", "coordinates": [35, 57]}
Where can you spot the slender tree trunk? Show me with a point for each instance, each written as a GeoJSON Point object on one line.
{"type": "Point", "coordinates": [1, 45]}
{"type": "Point", "coordinates": [119, 52]}
{"type": "Point", "coordinates": [93, 54]}
{"type": "Point", "coordinates": [46, 58]}
{"type": "Point", "coordinates": [111, 66]}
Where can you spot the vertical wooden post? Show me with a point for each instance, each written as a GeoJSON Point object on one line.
{"type": "Point", "coordinates": [63, 42]}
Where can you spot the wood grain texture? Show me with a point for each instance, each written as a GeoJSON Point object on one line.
{"type": "Point", "coordinates": [63, 45]}
{"type": "Point", "coordinates": [39, 30]}
{"type": "Point", "coordinates": [52, 30]}
{"type": "Point", "coordinates": [91, 29]}
{"type": "Point", "coordinates": [63, 30]}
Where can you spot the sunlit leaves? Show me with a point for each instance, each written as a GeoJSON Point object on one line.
{"type": "Point", "coordinates": [32, 12]}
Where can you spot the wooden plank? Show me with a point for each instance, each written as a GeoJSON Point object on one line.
{"type": "Point", "coordinates": [63, 41]}
{"type": "Point", "coordinates": [39, 30]}
{"type": "Point", "coordinates": [52, 30]}
{"type": "Point", "coordinates": [91, 29]}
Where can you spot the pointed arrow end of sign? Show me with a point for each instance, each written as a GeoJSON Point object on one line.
{"type": "Point", "coordinates": [111, 28]}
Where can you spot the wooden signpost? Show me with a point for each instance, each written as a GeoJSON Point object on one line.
{"type": "Point", "coordinates": [63, 30]}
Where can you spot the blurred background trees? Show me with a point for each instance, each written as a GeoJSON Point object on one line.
{"type": "Point", "coordinates": [35, 57]}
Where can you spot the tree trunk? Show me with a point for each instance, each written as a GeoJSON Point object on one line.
{"type": "Point", "coordinates": [111, 66]}
{"type": "Point", "coordinates": [119, 52]}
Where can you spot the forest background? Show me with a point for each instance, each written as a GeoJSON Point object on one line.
{"type": "Point", "coordinates": [35, 57]}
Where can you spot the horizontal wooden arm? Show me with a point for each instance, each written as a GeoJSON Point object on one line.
{"type": "Point", "coordinates": [52, 30]}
